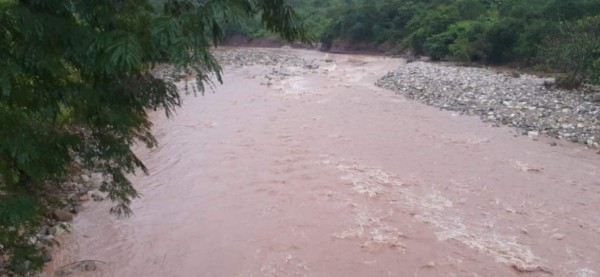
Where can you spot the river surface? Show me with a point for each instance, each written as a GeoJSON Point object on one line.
{"type": "Point", "coordinates": [320, 173]}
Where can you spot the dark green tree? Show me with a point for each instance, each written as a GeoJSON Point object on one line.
{"type": "Point", "coordinates": [76, 84]}
{"type": "Point", "coordinates": [575, 50]}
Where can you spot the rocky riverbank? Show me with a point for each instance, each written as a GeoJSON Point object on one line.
{"type": "Point", "coordinates": [250, 57]}
{"type": "Point", "coordinates": [283, 64]}
{"type": "Point", "coordinates": [523, 101]}
{"type": "Point", "coordinates": [79, 187]}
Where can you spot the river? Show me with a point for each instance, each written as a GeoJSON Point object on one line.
{"type": "Point", "coordinates": [318, 172]}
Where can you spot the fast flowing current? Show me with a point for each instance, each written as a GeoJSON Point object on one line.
{"type": "Point", "coordinates": [300, 166]}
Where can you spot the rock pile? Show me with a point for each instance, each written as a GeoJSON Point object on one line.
{"type": "Point", "coordinates": [284, 65]}
{"type": "Point", "coordinates": [75, 190]}
{"type": "Point", "coordinates": [249, 57]}
{"type": "Point", "coordinates": [520, 101]}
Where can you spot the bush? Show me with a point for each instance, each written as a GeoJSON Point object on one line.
{"type": "Point", "coordinates": [502, 36]}
{"type": "Point", "coordinates": [437, 45]}
{"type": "Point", "coordinates": [574, 49]}
{"type": "Point", "coordinates": [428, 23]}
{"type": "Point", "coordinates": [469, 44]}
{"type": "Point", "coordinates": [594, 72]}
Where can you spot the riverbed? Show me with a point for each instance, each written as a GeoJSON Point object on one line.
{"type": "Point", "coordinates": [298, 165]}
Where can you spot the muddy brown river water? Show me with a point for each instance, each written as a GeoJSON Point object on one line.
{"type": "Point", "coordinates": [321, 173]}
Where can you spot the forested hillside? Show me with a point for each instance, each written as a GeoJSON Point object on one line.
{"type": "Point", "coordinates": [558, 35]}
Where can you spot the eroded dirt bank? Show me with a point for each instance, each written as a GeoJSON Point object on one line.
{"type": "Point", "coordinates": [309, 169]}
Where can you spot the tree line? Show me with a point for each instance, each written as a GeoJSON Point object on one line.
{"type": "Point", "coordinates": [546, 35]}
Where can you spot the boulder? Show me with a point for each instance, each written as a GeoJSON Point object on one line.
{"type": "Point", "coordinates": [62, 215]}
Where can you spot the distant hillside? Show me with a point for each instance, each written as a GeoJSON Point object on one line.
{"type": "Point", "coordinates": [548, 35]}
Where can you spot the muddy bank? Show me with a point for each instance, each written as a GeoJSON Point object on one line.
{"type": "Point", "coordinates": [64, 199]}
{"type": "Point", "coordinates": [516, 100]}
{"type": "Point", "coordinates": [300, 166]}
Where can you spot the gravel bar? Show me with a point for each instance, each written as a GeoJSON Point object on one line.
{"type": "Point", "coordinates": [517, 100]}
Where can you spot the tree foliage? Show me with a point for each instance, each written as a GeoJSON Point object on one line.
{"type": "Point", "coordinates": [512, 32]}
{"type": "Point", "coordinates": [576, 49]}
{"type": "Point", "coordinates": [76, 85]}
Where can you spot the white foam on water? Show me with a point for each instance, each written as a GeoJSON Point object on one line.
{"type": "Point", "coordinates": [432, 208]}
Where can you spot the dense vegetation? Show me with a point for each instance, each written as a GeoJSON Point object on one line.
{"type": "Point", "coordinates": [561, 35]}
{"type": "Point", "coordinates": [76, 76]}
{"type": "Point", "coordinates": [76, 83]}
{"type": "Point", "coordinates": [533, 32]}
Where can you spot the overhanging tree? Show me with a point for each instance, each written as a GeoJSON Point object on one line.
{"type": "Point", "coordinates": [76, 82]}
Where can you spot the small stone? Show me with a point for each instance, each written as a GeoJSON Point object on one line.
{"type": "Point", "coordinates": [97, 197]}
{"type": "Point", "coordinates": [77, 209]}
{"type": "Point", "coordinates": [63, 215]}
{"type": "Point", "coordinates": [87, 266]}
{"type": "Point", "coordinates": [553, 144]}
{"type": "Point", "coordinates": [430, 264]}
{"type": "Point", "coordinates": [23, 267]}
{"type": "Point", "coordinates": [45, 230]}
{"type": "Point", "coordinates": [62, 228]}
{"type": "Point", "coordinates": [48, 238]}
{"type": "Point", "coordinates": [47, 257]}
{"type": "Point", "coordinates": [558, 236]}
{"type": "Point", "coordinates": [85, 178]}
{"type": "Point", "coordinates": [590, 142]}
{"type": "Point", "coordinates": [52, 230]}
{"type": "Point", "coordinates": [84, 198]}
{"type": "Point", "coordinates": [533, 134]}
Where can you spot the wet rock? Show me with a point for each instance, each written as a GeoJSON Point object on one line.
{"type": "Point", "coordinates": [52, 230]}
{"type": "Point", "coordinates": [48, 239]}
{"type": "Point", "coordinates": [44, 231]}
{"type": "Point", "coordinates": [47, 257]}
{"type": "Point", "coordinates": [63, 227]}
{"type": "Point", "coordinates": [23, 267]}
{"type": "Point", "coordinates": [62, 215]}
{"type": "Point", "coordinates": [85, 178]}
{"type": "Point", "coordinates": [97, 197]}
{"type": "Point", "coordinates": [533, 134]}
{"type": "Point", "coordinates": [87, 266]}
{"type": "Point", "coordinates": [77, 209]}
